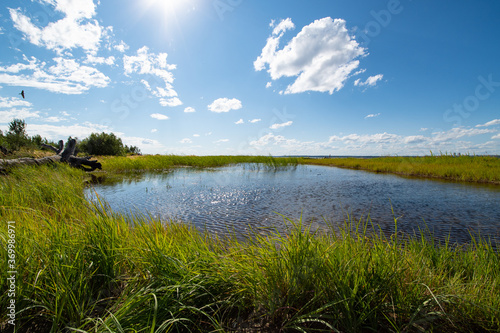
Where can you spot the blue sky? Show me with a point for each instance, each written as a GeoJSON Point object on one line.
{"type": "Point", "coordinates": [257, 77]}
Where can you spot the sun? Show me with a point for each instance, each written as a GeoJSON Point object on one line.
{"type": "Point", "coordinates": [170, 8]}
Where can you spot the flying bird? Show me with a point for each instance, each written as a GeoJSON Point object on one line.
{"type": "Point", "coordinates": [22, 93]}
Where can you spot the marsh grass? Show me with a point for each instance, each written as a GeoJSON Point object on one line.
{"type": "Point", "coordinates": [162, 162]}
{"type": "Point", "coordinates": [484, 169]}
{"type": "Point", "coordinates": [84, 268]}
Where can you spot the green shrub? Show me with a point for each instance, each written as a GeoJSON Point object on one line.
{"type": "Point", "coordinates": [102, 144]}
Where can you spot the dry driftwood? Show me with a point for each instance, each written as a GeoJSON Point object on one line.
{"type": "Point", "coordinates": [62, 155]}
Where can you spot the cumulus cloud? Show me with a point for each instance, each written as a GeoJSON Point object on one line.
{"type": "Point", "coordinates": [253, 121]}
{"type": "Point", "coordinates": [225, 105]}
{"type": "Point", "coordinates": [159, 116]}
{"type": "Point", "coordinates": [189, 110]}
{"type": "Point", "coordinates": [372, 115]}
{"type": "Point", "coordinates": [76, 28]}
{"type": "Point", "coordinates": [159, 73]}
{"type": "Point", "coordinates": [496, 136]}
{"type": "Point", "coordinates": [276, 126]}
{"type": "Point", "coordinates": [121, 47]}
{"type": "Point", "coordinates": [371, 81]}
{"type": "Point", "coordinates": [322, 56]}
{"type": "Point", "coordinates": [239, 122]}
{"type": "Point", "coordinates": [66, 76]}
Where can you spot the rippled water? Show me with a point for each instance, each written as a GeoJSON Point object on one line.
{"type": "Point", "coordinates": [242, 197]}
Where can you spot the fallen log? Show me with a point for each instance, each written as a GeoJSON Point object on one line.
{"type": "Point", "coordinates": [62, 155]}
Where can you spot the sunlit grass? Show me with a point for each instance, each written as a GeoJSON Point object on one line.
{"type": "Point", "coordinates": [451, 167]}
{"type": "Point", "coordinates": [84, 268]}
{"type": "Point", "coordinates": [162, 162]}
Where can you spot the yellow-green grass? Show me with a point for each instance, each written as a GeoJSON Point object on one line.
{"type": "Point", "coordinates": [161, 162]}
{"type": "Point", "coordinates": [482, 169]}
{"type": "Point", "coordinates": [83, 268]}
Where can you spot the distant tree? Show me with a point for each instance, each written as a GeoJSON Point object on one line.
{"type": "Point", "coordinates": [17, 137]}
{"type": "Point", "coordinates": [133, 150]}
{"type": "Point", "coordinates": [102, 144]}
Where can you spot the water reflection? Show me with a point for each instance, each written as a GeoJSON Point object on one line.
{"type": "Point", "coordinates": [241, 197]}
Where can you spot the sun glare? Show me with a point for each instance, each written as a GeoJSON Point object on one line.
{"type": "Point", "coordinates": [169, 8]}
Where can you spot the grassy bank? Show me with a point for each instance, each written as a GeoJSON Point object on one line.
{"type": "Point", "coordinates": [85, 269]}
{"type": "Point", "coordinates": [483, 169]}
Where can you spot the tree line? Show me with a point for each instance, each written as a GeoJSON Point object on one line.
{"type": "Point", "coordinates": [17, 139]}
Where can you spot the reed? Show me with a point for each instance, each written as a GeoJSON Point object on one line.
{"type": "Point", "coordinates": [83, 268]}
{"type": "Point", "coordinates": [466, 168]}
{"type": "Point", "coordinates": [162, 162]}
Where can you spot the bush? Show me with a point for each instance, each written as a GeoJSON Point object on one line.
{"type": "Point", "coordinates": [102, 144]}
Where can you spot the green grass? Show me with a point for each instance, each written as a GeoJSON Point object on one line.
{"type": "Point", "coordinates": [483, 169]}
{"type": "Point", "coordinates": [161, 162]}
{"type": "Point", "coordinates": [83, 268]}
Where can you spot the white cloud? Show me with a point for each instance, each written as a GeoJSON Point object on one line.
{"type": "Point", "coordinates": [221, 140]}
{"type": "Point", "coordinates": [372, 115]}
{"type": "Point", "coordinates": [54, 119]}
{"type": "Point", "coordinates": [269, 84]}
{"type": "Point", "coordinates": [276, 126]}
{"type": "Point", "coordinates": [24, 113]}
{"type": "Point", "coordinates": [371, 81]}
{"type": "Point", "coordinates": [154, 65]}
{"type": "Point", "coordinates": [154, 130]}
{"type": "Point", "coordinates": [496, 136]}
{"type": "Point", "coordinates": [76, 29]}
{"type": "Point", "coordinates": [457, 133]}
{"type": "Point", "coordinates": [10, 102]}
{"type": "Point", "coordinates": [186, 140]}
{"type": "Point", "coordinates": [490, 123]}
{"type": "Point", "coordinates": [159, 116]}
{"type": "Point", "coordinates": [196, 135]}
{"type": "Point", "coordinates": [91, 59]}
{"type": "Point", "coordinates": [189, 110]}
{"type": "Point", "coordinates": [321, 56]}
{"type": "Point", "coordinates": [225, 105]}
{"type": "Point", "coordinates": [66, 76]}
{"type": "Point", "coordinates": [423, 129]}
{"type": "Point", "coordinates": [121, 47]}
{"type": "Point", "coordinates": [174, 101]}
{"type": "Point", "coordinates": [55, 133]}
{"type": "Point", "coordinates": [239, 122]}
{"type": "Point", "coordinates": [253, 121]}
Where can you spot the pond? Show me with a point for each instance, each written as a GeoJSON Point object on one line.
{"type": "Point", "coordinates": [245, 197]}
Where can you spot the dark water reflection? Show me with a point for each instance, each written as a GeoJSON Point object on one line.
{"type": "Point", "coordinates": [240, 197]}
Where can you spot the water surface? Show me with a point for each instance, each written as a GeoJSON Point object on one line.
{"type": "Point", "coordinates": [242, 197]}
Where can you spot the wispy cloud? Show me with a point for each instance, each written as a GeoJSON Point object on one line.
{"type": "Point", "coordinates": [490, 123]}
{"type": "Point", "coordinates": [322, 56]}
{"type": "Point", "coordinates": [253, 121]}
{"type": "Point", "coordinates": [221, 140]}
{"type": "Point", "coordinates": [158, 73]}
{"type": "Point", "coordinates": [225, 105]}
{"type": "Point", "coordinates": [372, 115]}
{"type": "Point", "coordinates": [276, 126]}
{"type": "Point", "coordinates": [239, 122]}
{"type": "Point", "coordinates": [66, 76]}
{"type": "Point", "coordinates": [186, 140]}
{"type": "Point", "coordinates": [371, 81]}
{"type": "Point", "coordinates": [189, 110]}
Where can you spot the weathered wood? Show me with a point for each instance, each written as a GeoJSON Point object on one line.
{"type": "Point", "coordinates": [65, 155]}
